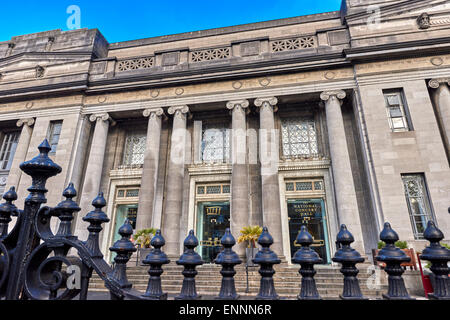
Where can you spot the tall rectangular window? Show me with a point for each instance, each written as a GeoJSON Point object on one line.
{"type": "Point", "coordinates": [299, 137]}
{"type": "Point", "coordinates": [134, 152]}
{"type": "Point", "coordinates": [215, 145]}
{"type": "Point", "coordinates": [397, 110]}
{"type": "Point", "coordinates": [8, 148]}
{"type": "Point", "coordinates": [54, 133]}
{"type": "Point", "coordinates": [418, 200]}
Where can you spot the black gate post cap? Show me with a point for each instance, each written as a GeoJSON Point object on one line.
{"type": "Point", "coordinates": [97, 215]}
{"type": "Point", "coordinates": [227, 256]}
{"type": "Point", "coordinates": [266, 255]}
{"type": "Point", "coordinates": [305, 254]}
{"type": "Point", "coordinates": [156, 256]}
{"type": "Point", "coordinates": [190, 257]}
{"type": "Point", "coordinates": [434, 252]}
{"type": "Point", "coordinates": [390, 253]}
{"type": "Point", "coordinates": [41, 165]}
{"type": "Point", "coordinates": [124, 245]}
{"type": "Point", "coordinates": [68, 204]}
{"type": "Point", "coordinates": [346, 253]}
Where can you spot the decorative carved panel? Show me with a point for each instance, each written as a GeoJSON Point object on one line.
{"type": "Point", "coordinates": [210, 54]}
{"type": "Point", "coordinates": [135, 64]}
{"type": "Point", "coordinates": [293, 44]}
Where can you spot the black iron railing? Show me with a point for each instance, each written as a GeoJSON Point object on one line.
{"type": "Point", "coordinates": [35, 263]}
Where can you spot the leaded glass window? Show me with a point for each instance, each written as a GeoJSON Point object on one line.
{"type": "Point", "coordinates": [396, 111]}
{"type": "Point", "coordinates": [135, 143]}
{"type": "Point", "coordinates": [215, 143]}
{"type": "Point", "coordinates": [418, 202]}
{"type": "Point", "coordinates": [299, 138]}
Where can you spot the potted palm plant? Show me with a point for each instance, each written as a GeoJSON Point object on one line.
{"type": "Point", "coordinates": [142, 239]}
{"type": "Point", "coordinates": [250, 235]}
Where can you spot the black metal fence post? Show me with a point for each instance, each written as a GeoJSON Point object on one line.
{"type": "Point", "coordinates": [348, 258]}
{"type": "Point", "coordinates": [307, 258]}
{"type": "Point", "coordinates": [439, 257]}
{"type": "Point", "coordinates": [190, 260]}
{"type": "Point", "coordinates": [155, 259]}
{"type": "Point", "coordinates": [40, 168]}
{"type": "Point", "coordinates": [228, 259]}
{"type": "Point", "coordinates": [393, 257]}
{"type": "Point", "coordinates": [266, 258]}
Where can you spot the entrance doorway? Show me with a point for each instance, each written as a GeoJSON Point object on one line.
{"type": "Point", "coordinates": [124, 212]}
{"type": "Point", "coordinates": [311, 213]}
{"type": "Point", "coordinates": [213, 218]}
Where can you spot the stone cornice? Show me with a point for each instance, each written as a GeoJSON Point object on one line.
{"type": "Point", "coordinates": [295, 165]}
{"type": "Point", "coordinates": [207, 169]}
{"type": "Point", "coordinates": [27, 121]}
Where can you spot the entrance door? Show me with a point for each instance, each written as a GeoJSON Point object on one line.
{"type": "Point", "coordinates": [124, 212]}
{"type": "Point", "coordinates": [311, 213]}
{"type": "Point", "coordinates": [212, 220]}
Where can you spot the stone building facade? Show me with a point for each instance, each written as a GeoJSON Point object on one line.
{"type": "Point", "coordinates": [339, 117]}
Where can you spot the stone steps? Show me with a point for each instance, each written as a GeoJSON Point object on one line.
{"type": "Point", "coordinates": [286, 279]}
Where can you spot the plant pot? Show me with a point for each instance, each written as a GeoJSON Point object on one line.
{"type": "Point", "coordinates": [250, 254]}
{"type": "Point", "coordinates": [142, 253]}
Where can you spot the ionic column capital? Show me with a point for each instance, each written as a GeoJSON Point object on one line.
{"type": "Point", "coordinates": [333, 94]}
{"type": "Point", "coordinates": [237, 104]}
{"type": "Point", "coordinates": [267, 101]}
{"type": "Point", "coordinates": [27, 121]}
{"type": "Point", "coordinates": [154, 112]}
{"type": "Point", "coordinates": [102, 117]}
{"type": "Point", "coordinates": [435, 83]}
{"type": "Point", "coordinates": [184, 109]}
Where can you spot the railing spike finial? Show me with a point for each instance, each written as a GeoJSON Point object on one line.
{"type": "Point", "coordinates": [228, 259]}
{"type": "Point", "coordinates": [348, 258]}
{"type": "Point", "coordinates": [266, 258]}
{"type": "Point", "coordinates": [393, 257]}
{"type": "Point", "coordinates": [307, 258]}
{"type": "Point", "coordinates": [7, 210]}
{"type": "Point", "coordinates": [190, 260]}
{"type": "Point", "coordinates": [96, 218]}
{"type": "Point", "coordinates": [439, 257]}
{"type": "Point", "coordinates": [65, 210]}
{"type": "Point", "coordinates": [123, 249]}
{"type": "Point", "coordinates": [155, 259]}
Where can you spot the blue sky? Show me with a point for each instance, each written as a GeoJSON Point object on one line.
{"type": "Point", "coordinates": [129, 20]}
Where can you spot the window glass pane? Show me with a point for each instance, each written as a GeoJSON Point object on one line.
{"type": "Point", "coordinates": [8, 149]}
{"type": "Point", "coordinates": [418, 202]}
{"type": "Point", "coordinates": [215, 143]}
{"type": "Point", "coordinates": [134, 152]}
{"type": "Point", "coordinates": [398, 123]}
{"type": "Point", "coordinates": [54, 134]}
{"type": "Point", "coordinates": [395, 111]}
{"type": "Point", "coordinates": [299, 137]}
{"type": "Point", "coordinates": [393, 99]}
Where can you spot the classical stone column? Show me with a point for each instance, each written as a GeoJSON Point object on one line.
{"type": "Point", "coordinates": [269, 158]}
{"type": "Point", "coordinates": [442, 101]}
{"type": "Point", "coordinates": [21, 152]}
{"type": "Point", "coordinates": [173, 204]}
{"type": "Point", "coordinates": [347, 205]}
{"type": "Point", "coordinates": [149, 179]}
{"type": "Point", "coordinates": [94, 168]}
{"type": "Point", "coordinates": [239, 171]}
